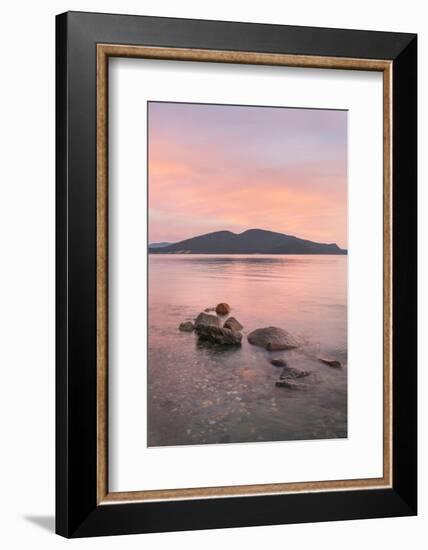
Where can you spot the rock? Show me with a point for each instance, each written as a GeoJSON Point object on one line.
{"type": "Point", "coordinates": [233, 324]}
{"type": "Point", "coordinates": [203, 319]}
{"type": "Point", "coordinates": [186, 326]}
{"type": "Point", "coordinates": [291, 385]}
{"type": "Point", "coordinates": [290, 373]}
{"type": "Point", "coordinates": [248, 374]}
{"type": "Point", "coordinates": [222, 309]}
{"type": "Point", "coordinates": [272, 346]}
{"type": "Point", "coordinates": [272, 339]}
{"type": "Point", "coordinates": [331, 363]}
{"type": "Point", "coordinates": [208, 309]}
{"type": "Point", "coordinates": [218, 335]}
{"type": "Point", "coordinates": [278, 362]}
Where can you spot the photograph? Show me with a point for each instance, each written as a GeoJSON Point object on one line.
{"type": "Point", "coordinates": [211, 311]}
{"type": "Point", "coordinates": [247, 273]}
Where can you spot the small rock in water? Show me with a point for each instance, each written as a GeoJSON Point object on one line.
{"type": "Point", "coordinates": [233, 324]}
{"type": "Point", "coordinates": [278, 362]}
{"type": "Point", "coordinates": [218, 335]}
{"type": "Point", "coordinates": [291, 385]}
{"type": "Point", "coordinates": [247, 374]}
{"type": "Point", "coordinates": [331, 363]}
{"type": "Point", "coordinates": [290, 373]}
{"type": "Point", "coordinates": [272, 339]}
{"type": "Point", "coordinates": [222, 309]}
{"type": "Point", "coordinates": [208, 309]}
{"type": "Point", "coordinates": [186, 326]}
{"type": "Point", "coordinates": [204, 319]}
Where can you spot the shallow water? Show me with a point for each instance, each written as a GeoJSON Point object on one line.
{"type": "Point", "coordinates": [199, 393]}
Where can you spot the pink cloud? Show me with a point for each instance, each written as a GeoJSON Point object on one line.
{"type": "Point", "coordinates": [200, 180]}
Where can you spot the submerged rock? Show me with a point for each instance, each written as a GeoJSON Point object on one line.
{"type": "Point", "coordinates": [331, 363]}
{"type": "Point", "coordinates": [204, 319]}
{"type": "Point", "coordinates": [278, 362]}
{"type": "Point", "coordinates": [233, 324]}
{"type": "Point", "coordinates": [222, 309]}
{"type": "Point", "coordinates": [290, 373]}
{"type": "Point", "coordinates": [218, 335]}
{"type": "Point", "coordinates": [291, 385]}
{"type": "Point", "coordinates": [272, 339]}
{"type": "Point", "coordinates": [186, 326]}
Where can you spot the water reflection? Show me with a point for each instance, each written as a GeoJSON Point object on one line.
{"type": "Point", "coordinates": [200, 393]}
{"type": "Point", "coordinates": [215, 350]}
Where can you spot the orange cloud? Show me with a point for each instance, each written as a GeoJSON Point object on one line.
{"type": "Point", "coordinates": [213, 184]}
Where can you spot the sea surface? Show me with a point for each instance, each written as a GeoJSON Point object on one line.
{"type": "Point", "coordinates": [200, 393]}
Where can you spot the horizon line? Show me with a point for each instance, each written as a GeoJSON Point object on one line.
{"type": "Point", "coordinates": [241, 233]}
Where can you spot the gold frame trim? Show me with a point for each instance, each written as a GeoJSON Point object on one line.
{"type": "Point", "coordinates": [104, 51]}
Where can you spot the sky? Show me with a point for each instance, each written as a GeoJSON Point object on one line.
{"type": "Point", "coordinates": [224, 167]}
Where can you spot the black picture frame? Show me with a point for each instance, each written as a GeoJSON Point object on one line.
{"type": "Point", "coordinates": [77, 511]}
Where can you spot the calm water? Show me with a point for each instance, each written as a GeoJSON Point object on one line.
{"type": "Point", "coordinates": [199, 393]}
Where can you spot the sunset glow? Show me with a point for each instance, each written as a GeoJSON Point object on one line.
{"type": "Point", "coordinates": [214, 167]}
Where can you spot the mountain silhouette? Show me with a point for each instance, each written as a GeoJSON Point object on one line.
{"type": "Point", "coordinates": [252, 241]}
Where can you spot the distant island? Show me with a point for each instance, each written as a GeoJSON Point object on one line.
{"type": "Point", "coordinates": [159, 245]}
{"type": "Point", "coordinates": [252, 241]}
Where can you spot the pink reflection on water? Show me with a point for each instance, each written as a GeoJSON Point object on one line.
{"type": "Point", "coordinates": [304, 294]}
{"type": "Point", "coordinates": [199, 394]}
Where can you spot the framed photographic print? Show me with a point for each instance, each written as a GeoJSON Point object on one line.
{"type": "Point", "coordinates": [236, 274]}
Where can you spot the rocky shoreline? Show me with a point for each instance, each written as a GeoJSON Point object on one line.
{"type": "Point", "coordinates": [214, 325]}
